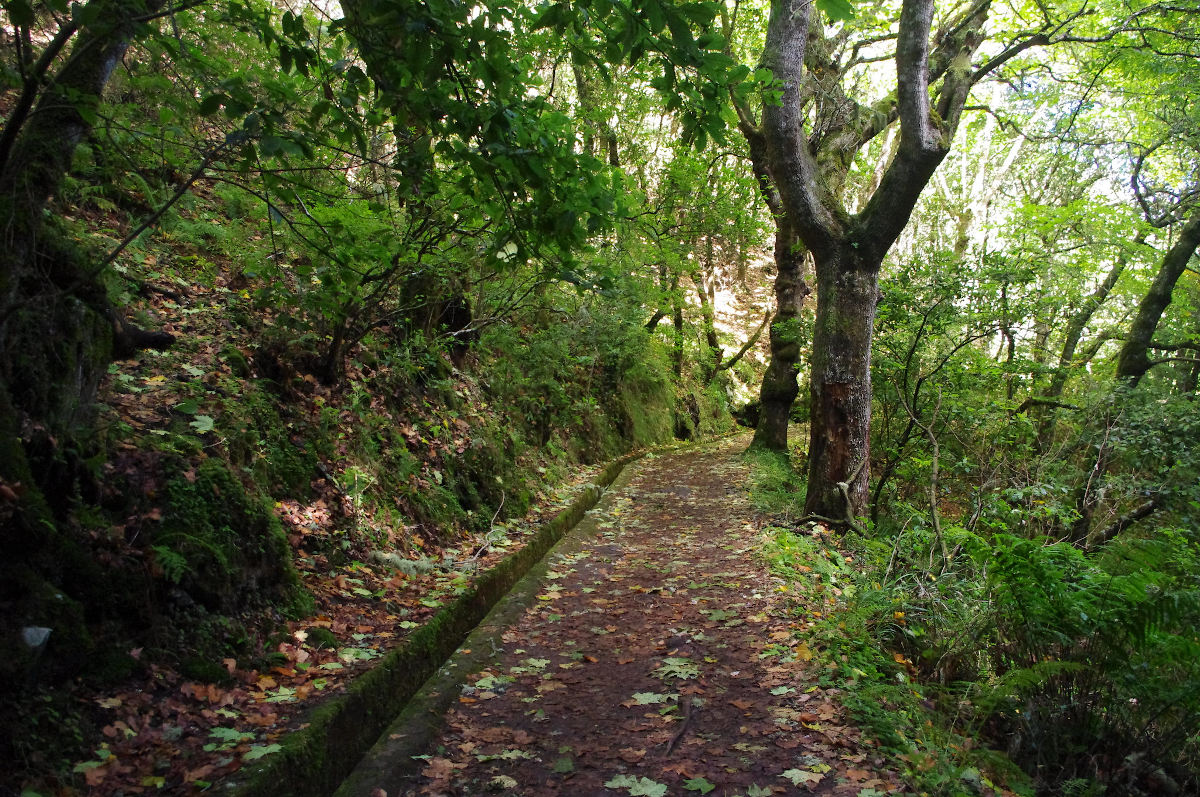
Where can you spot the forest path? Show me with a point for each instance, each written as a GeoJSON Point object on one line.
{"type": "Point", "coordinates": [658, 657]}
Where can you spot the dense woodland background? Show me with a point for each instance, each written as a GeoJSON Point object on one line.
{"type": "Point", "coordinates": [289, 292]}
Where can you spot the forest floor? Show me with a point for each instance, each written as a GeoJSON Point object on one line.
{"type": "Point", "coordinates": [660, 657]}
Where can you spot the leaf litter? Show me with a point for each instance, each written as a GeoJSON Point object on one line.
{"type": "Point", "coordinates": [670, 593]}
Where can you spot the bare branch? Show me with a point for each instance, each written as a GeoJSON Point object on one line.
{"type": "Point", "coordinates": [732, 361]}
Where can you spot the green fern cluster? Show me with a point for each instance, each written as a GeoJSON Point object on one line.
{"type": "Point", "coordinates": [1086, 667]}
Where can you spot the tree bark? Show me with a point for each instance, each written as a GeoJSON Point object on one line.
{"type": "Point", "coordinates": [848, 250]}
{"type": "Point", "coordinates": [1134, 360]}
{"type": "Point", "coordinates": [779, 386]}
{"type": "Point", "coordinates": [840, 385]}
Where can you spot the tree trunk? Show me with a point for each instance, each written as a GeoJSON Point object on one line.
{"type": "Point", "coordinates": [840, 385]}
{"type": "Point", "coordinates": [677, 325]}
{"type": "Point", "coordinates": [1067, 360]}
{"type": "Point", "coordinates": [779, 387]}
{"type": "Point", "coordinates": [1134, 360]}
{"type": "Point", "coordinates": [55, 329]}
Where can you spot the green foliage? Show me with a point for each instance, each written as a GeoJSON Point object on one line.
{"type": "Point", "coordinates": [592, 381]}
{"type": "Point", "coordinates": [776, 487]}
{"type": "Point", "coordinates": [1084, 665]}
{"type": "Point", "coordinates": [857, 656]}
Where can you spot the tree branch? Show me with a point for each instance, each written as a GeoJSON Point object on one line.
{"type": "Point", "coordinates": [1033, 401]}
{"type": "Point", "coordinates": [923, 144]}
{"type": "Point", "coordinates": [732, 361]}
{"type": "Point", "coordinates": [806, 200]}
{"type": "Point", "coordinates": [1139, 512]}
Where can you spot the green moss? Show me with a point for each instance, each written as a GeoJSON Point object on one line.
{"type": "Point", "coordinates": [204, 670]}
{"type": "Point", "coordinates": [237, 362]}
{"type": "Point", "coordinates": [647, 415]}
{"type": "Point", "coordinates": [232, 553]}
{"type": "Point", "coordinates": [321, 637]}
{"type": "Point", "coordinates": [108, 665]}
{"type": "Point", "coordinates": [268, 448]}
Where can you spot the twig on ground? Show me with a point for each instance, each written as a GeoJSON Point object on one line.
{"type": "Point", "coordinates": [689, 711]}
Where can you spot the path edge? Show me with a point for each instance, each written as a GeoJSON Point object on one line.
{"type": "Point", "coordinates": [388, 767]}
{"type": "Point", "coordinates": [317, 758]}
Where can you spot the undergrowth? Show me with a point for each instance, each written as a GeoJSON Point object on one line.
{"type": "Point", "coordinates": [1082, 668]}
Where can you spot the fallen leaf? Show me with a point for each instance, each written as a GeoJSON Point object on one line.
{"type": "Point", "coordinates": [440, 769]}
{"type": "Point", "coordinates": [631, 756]}
{"type": "Point", "coordinates": [802, 777]}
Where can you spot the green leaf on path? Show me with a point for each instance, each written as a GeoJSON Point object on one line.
{"type": "Point", "coordinates": [563, 765]}
{"type": "Point", "coordinates": [259, 750]}
{"type": "Point", "coordinates": [758, 791]}
{"type": "Point", "coordinates": [649, 698]}
{"type": "Point", "coordinates": [638, 787]}
{"type": "Point", "coordinates": [285, 694]}
{"type": "Point", "coordinates": [718, 615]}
{"type": "Point", "coordinates": [802, 777]}
{"type": "Point", "coordinates": [676, 667]}
{"type": "Point", "coordinates": [188, 407]}
{"type": "Point", "coordinates": [698, 784]}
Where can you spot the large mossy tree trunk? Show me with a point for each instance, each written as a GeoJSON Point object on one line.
{"type": "Point", "coordinates": [840, 385]}
{"type": "Point", "coordinates": [807, 175]}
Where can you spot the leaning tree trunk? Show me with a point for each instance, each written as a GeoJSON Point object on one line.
{"type": "Point", "coordinates": [1134, 360]}
{"type": "Point", "coordinates": [840, 385]}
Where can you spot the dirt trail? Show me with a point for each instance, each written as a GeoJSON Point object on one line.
{"type": "Point", "coordinates": [658, 658]}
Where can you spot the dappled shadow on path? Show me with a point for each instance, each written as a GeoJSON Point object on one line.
{"type": "Point", "coordinates": [658, 658]}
